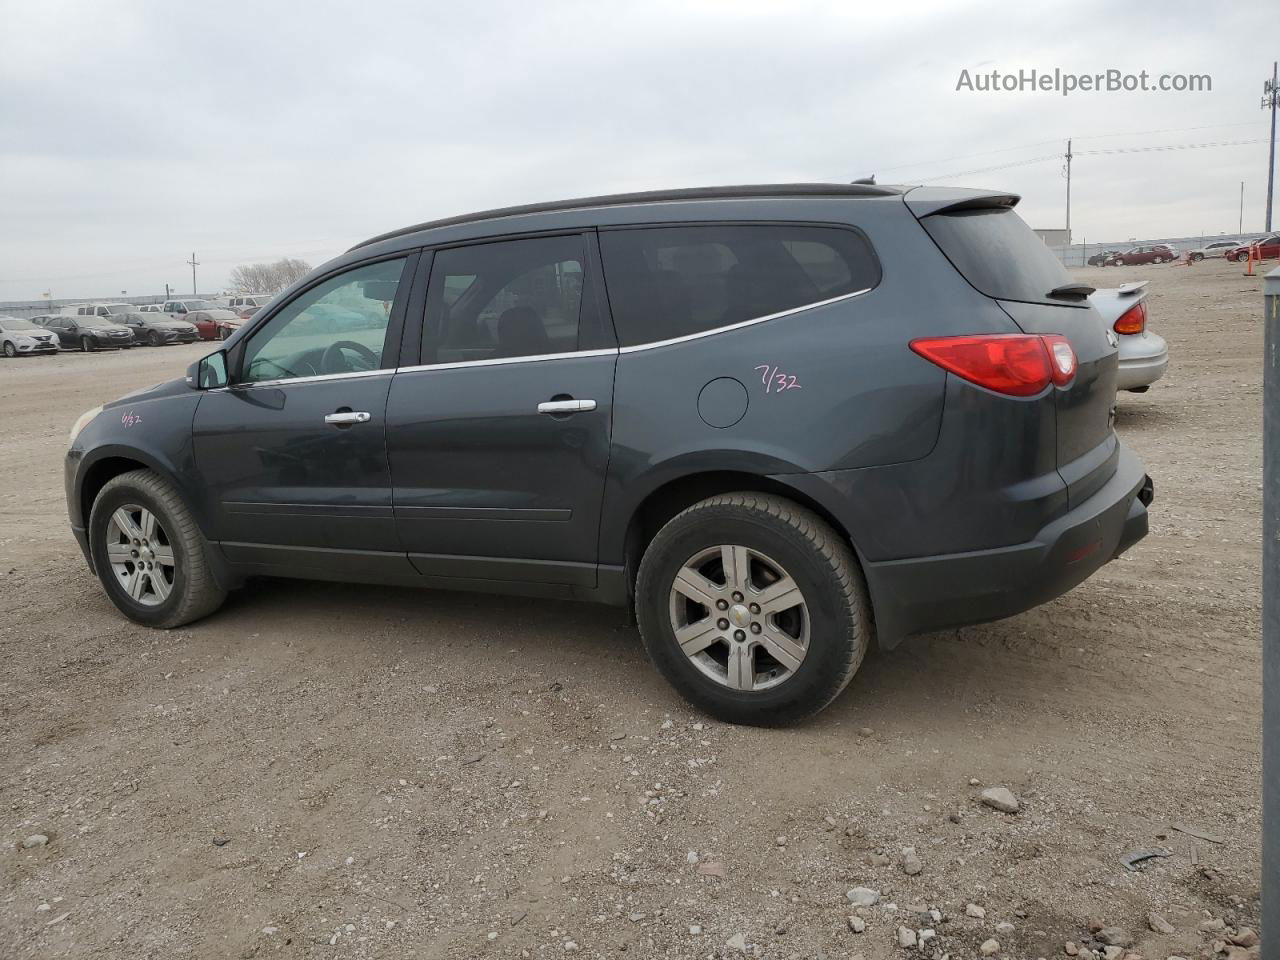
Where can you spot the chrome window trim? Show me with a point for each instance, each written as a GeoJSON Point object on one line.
{"type": "Point", "coordinates": [317, 378]}
{"type": "Point", "coordinates": [502, 361]}
{"type": "Point", "coordinates": [636, 348]}
{"type": "Point", "coordinates": [541, 357]}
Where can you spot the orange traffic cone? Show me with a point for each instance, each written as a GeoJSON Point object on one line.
{"type": "Point", "coordinates": [1249, 271]}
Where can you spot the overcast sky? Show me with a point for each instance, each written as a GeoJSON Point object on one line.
{"type": "Point", "coordinates": [132, 133]}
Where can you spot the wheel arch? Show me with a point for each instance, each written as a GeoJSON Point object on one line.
{"type": "Point", "coordinates": [671, 497]}
{"type": "Point", "coordinates": [106, 463]}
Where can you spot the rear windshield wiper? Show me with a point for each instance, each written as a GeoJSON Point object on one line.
{"type": "Point", "coordinates": [1071, 291]}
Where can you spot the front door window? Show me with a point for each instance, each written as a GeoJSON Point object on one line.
{"type": "Point", "coordinates": [338, 326]}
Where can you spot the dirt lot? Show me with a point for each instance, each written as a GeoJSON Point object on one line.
{"type": "Point", "coordinates": [320, 771]}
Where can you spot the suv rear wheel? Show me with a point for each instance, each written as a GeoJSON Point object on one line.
{"type": "Point", "coordinates": [753, 608]}
{"type": "Point", "coordinates": [149, 553]}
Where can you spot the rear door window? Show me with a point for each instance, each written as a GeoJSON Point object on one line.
{"type": "Point", "coordinates": [668, 282]}
{"type": "Point", "coordinates": [998, 254]}
{"type": "Point", "coordinates": [508, 299]}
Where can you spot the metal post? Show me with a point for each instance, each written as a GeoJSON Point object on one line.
{"type": "Point", "coordinates": [194, 263]}
{"type": "Point", "coordinates": [1271, 616]}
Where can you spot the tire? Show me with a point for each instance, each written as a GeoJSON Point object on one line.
{"type": "Point", "coordinates": [10, 350]}
{"type": "Point", "coordinates": [1197, 257]}
{"type": "Point", "coordinates": [86, 345]}
{"type": "Point", "coordinates": [189, 591]}
{"type": "Point", "coordinates": [222, 333]}
{"type": "Point", "coordinates": [1157, 259]}
{"type": "Point", "coordinates": [153, 338]}
{"type": "Point", "coordinates": [831, 625]}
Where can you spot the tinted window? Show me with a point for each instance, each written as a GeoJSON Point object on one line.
{"type": "Point", "coordinates": [516, 298]}
{"type": "Point", "coordinates": [338, 326]}
{"type": "Point", "coordinates": [998, 253]}
{"type": "Point", "coordinates": [668, 282]}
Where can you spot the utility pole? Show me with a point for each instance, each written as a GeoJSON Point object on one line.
{"type": "Point", "coordinates": [1270, 98]}
{"type": "Point", "coordinates": [1069, 192]}
{"type": "Point", "coordinates": [194, 263]}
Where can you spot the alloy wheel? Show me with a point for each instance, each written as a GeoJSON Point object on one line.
{"type": "Point", "coordinates": [141, 554]}
{"type": "Point", "coordinates": [739, 617]}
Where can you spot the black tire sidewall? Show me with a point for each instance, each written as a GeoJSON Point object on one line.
{"type": "Point", "coordinates": [832, 625]}
{"type": "Point", "coordinates": [103, 507]}
{"type": "Point", "coordinates": [10, 350]}
{"type": "Point", "coordinates": [86, 345]}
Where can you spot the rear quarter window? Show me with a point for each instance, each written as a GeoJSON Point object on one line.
{"type": "Point", "coordinates": [998, 254]}
{"type": "Point", "coordinates": [668, 282]}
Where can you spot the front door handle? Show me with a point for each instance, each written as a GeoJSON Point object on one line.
{"type": "Point", "coordinates": [566, 406]}
{"type": "Point", "coordinates": [344, 418]}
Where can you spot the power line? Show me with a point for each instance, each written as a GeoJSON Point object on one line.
{"type": "Point", "coordinates": [1169, 146]}
{"type": "Point", "coordinates": [1094, 136]}
{"type": "Point", "coordinates": [1106, 151]}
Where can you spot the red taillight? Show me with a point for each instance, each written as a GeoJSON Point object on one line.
{"type": "Point", "coordinates": [1133, 320]}
{"type": "Point", "coordinates": [1010, 363]}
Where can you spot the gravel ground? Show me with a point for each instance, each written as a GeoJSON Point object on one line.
{"type": "Point", "coordinates": [323, 771]}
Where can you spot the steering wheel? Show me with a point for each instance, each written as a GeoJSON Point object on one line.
{"type": "Point", "coordinates": [332, 360]}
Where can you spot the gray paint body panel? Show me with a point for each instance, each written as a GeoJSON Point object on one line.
{"type": "Point", "coordinates": [456, 480]}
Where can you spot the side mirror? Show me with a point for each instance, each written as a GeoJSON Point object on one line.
{"type": "Point", "coordinates": [209, 373]}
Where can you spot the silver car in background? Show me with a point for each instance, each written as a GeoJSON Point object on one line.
{"type": "Point", "coordinates": [1219, 248]}
{"type": "Point", "coordinates": [1144, 356]}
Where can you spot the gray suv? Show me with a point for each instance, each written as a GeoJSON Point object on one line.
{"type": "Point", "coordinates": [782, 422]}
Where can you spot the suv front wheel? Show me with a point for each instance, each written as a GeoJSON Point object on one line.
{"type": "Point", "coordinates": [753, 608]}
{"type": "Point", "coordinates": [149, 553]}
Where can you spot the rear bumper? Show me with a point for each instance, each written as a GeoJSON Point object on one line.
{"type": "Point", "coordinates": [933, 593]}
{"type": "Point", "coordinates": [1143, 361]}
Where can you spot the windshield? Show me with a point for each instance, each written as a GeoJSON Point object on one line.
{"type": "Point", "coordinates": [14, 323]}
{"type": "Point", "coordinates": [998, 253]}
{"type": "Point", "coordinates": [200, 305]}
{"type": "Point", "coordinates": [118, 308]}
{"type": "Point", "coordinates": [96, 323]}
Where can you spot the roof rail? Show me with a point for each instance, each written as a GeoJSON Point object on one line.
{"type": "Point", "coordinates": [746, 191]}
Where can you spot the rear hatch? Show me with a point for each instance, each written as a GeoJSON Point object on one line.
{"type": "Point", "coordinates": [1000, 256]}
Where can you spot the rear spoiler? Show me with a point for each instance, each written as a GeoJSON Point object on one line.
{"type": "Point", "coordinates": [1129, 289]}
{"type": "Point", "coordinates": [927, 201]}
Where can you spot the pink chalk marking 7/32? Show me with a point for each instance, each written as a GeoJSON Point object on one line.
{"type": "Point", "coordinates": [775, 382]}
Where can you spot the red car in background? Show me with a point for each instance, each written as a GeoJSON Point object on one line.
{"type": "Point", "coordinates": [213, 324]}
{"type": "Point", "coordinates": [1268, 249]}
{"type": "Point", "coordinates": [1156, 253]}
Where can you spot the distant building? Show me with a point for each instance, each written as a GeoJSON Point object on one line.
{"type": "Point", "coordinates": [1055, 237]}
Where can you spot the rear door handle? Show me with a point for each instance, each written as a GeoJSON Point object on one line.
{"type": "Point", "coordinates": [346, 417]}
{"type": "Point", "coordinates": [566, 406]}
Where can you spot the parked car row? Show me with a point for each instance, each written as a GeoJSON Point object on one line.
{"type": "Point", "coordinates": [1236, 251]}
{"type": "Point", "coordinates": [118, 326]}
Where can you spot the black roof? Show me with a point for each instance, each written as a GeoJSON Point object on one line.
{"type": "Point", "coordinates": [655, 196]}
